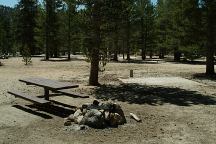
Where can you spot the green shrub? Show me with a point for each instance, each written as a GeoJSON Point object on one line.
{"type": "Point", "coordinates": [191, 52]}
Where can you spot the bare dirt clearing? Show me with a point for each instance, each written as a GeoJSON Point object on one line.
{"type": "Point", "coordinates": [184, 113]}
{"type": "Point", "coordinates": [164, 81]}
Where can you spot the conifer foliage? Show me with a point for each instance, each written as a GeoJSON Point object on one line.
{"type": "Point", "coordinates": [26, 28]}
{"type": "Point", "coordinates": [104, 30]}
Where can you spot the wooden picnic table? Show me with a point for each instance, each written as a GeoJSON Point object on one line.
{"type": "Point", "coordinates": [48, 85]}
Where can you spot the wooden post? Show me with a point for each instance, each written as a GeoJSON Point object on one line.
{"type": "Point", "coordinates": [46, 94]}
{"type": "Point", "coordinates": [131, 73]}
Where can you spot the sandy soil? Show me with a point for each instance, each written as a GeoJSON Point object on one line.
{"type": "Point", "coordinates": [175, 82]}
{"type": "Point", "coordinates": [171, 112]}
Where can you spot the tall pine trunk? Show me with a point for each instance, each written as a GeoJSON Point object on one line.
{"type": "Point", "coordinates": [95, 58]}
{"type": "Point", "coordinates": [71, 11]}
{"type": "Point", "coordinates": [145, 37]}
{"type": "Point", "coordinates": [116, 48]}
{"type": "Point", "coordinates": [128, 39]}
{"type": "Point", "coordinates": [69, 36]}
{"type": "Point", "coordinates": [93, 79]}
{"type": "Point", "coordinates": [177, 55]}
{"type": "Point", "coordinates": [48, 13]}
{"type": "Point", "coordinates": [161, 55]}
{"type": "Point", "coordinates": [210, 60]}
{"type": "Point", "coordinates": [210, 38]}
{"type": "Point", "coordinates": [143, 40]}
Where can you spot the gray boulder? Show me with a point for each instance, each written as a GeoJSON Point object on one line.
{"type": "Point", "coordinates": [118, 110]}
{"type": "Point", "coordinates": [93, 118]}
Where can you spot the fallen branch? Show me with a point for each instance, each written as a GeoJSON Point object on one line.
{"type": "Point", "coordinates": [135, 117]}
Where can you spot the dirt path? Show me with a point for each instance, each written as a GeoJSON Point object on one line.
{"type": "Point", "coordinates": [185, 113]}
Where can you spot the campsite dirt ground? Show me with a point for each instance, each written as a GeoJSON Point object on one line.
{"type": "Point", "coordinates": [169, 115]}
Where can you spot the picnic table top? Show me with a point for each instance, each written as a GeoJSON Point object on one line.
{"type": "Point", "coordinates": [47, 83]}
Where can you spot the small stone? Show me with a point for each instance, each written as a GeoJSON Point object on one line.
{"type": "Point", "coordinates": [107, 116]}
{"type": "Point", "coordinates": [115, 119]}
{"type": "Point", "coordinates": [93, 118]}
{"type": "Point", "coordinates": [102, 111]}
{"type": "Point", "coordinates": [86, 105]}
{"type": "Point", "coordinates": [71, 118]}
{"type": "Point", "coordinates": [84, 111]}
{"type": "Point", "coordinates": [79, 119]}
{"type": "Point", "coordinates": [77, 113]}
{"type": "Point", "coordinates": [118, 109]}
{"type": "Point", "coordinates": [95, 102]}
{"type": "Point", "coordinates": [83, 127]}
{"type": "Point", "coordinates": [67, 122]}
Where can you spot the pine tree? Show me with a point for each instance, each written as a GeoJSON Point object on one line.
{"type": "Point", "coordinates": [27, 24]}
{"type": "Point", "coordinates": [162, 27]}
{"type": "Point", "coordinates": [128, 7]}
{"type": "Point", "coordinates": [52, 28]}
{"type": "Point", "coordinates": [71, 12]}
{"type": "Point", "coordinates": [209, 8]}
{"type": "Point", "coordinates": [146, 16]}
{"type": "Point", "coordinates": [6, 30]}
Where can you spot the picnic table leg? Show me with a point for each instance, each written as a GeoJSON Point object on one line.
{"type": "Point", "coordinates": [46, 94]}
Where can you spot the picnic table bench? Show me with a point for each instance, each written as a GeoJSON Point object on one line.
{"type": "Point", "coordinates": [29, 98]}
{"type": "Point", "coordinates": [48, 85]}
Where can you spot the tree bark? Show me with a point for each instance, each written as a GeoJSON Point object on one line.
{"type": "Point", "coordinates": [123, 49]}
{"type": "Point", "coordinates": [116, 48]}
{"type": "Point", "coordinates": [69, 36]}
{"type": "Point", "coordinates": [161, 55]}
{"type": "Point", "coordinates": [210, 40]}
{"type": "Point", "coordinates": [95, 58]}
{"type": "Point", "coordinates": [71, 11]}
{"type": "Point", "coordinates": [56, 53]}
{"type": "Point", "coordinates": [210, 61]}
{"type": "Point", "coordinates": [177, 55]}
{"type": "Point", "coordinates": [151, 54]}
{"type": "Point", "coordinates": [143, 40]}
{"type": "Point", "coordinates": [128, 39]}
{"type": "Point", "coordinates": [146, 36]}
{"type": "Point", "coordinates": [48, 9]}
{"type": "Point", "coordinates": [93, 79]}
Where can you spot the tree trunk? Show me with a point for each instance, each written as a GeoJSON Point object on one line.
{"type": "Point", "coordinates": [93, 79]}
{"type": "Point", "coordinates": [49, 23]}
{"type": "Point", "coordinates": [128, 40]}
{"type": "Point", "coordinates": [69, 57]}
{"type": "Point", "coordinates": [68, 49]}
{"type": "Point", "coordinates": [47, 50]}
{"type": "Point", "coordinates": [71, 10]}
{"type": "Point", "coordinates": [151, 54]}
{"type": "Point", "coordinates": [143, 54]}
{"type": "Point", "coordinates": [115, 56]}
{"type": "Point", "coordinates": [95, 59]}
{"type": "Point", "coordinates": [143, 40]}
{"type": "Point", "coordinates": [210, 61]}
{"type": "Point", "coordinates": [210, 40]}
{"type": "Point", "coordinates": [56, 53]}
{"type": "Point", "coordinates": [161, 55]}
{"type": "Point", "coordinates": [47, 30]}
{"type": "Point", "coordinates": [177, 55]}
{"type": "Point", "coordinates": [116, 48]}
{"type": "Point", "coordinates": [123, 50]}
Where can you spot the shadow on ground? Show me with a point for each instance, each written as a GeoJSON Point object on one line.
{"type": "Point", "coordinates": [48, 111]}
{"type": "Point", "coordinates": [139, 94]}
{"type": "Point", "coordinates": [147, 61]}
{"type": "Point", "coordinates": [63, 59]}
{"type": "Point", "coordinates": [203, 76]}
